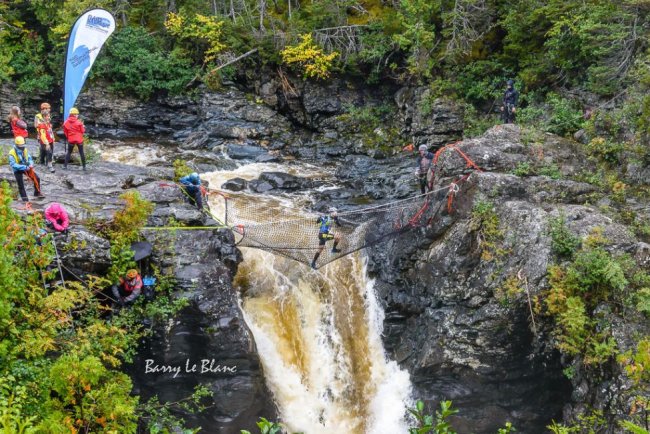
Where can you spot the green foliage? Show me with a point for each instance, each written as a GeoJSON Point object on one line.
{"type": "Point", "coordinates": [266, 427]}
{"type": "Point", "coordinates": [633, 428]}
{"type": "Point", "coordinates": [605, 150]}
{"type": "Point", "coordinates": [591, 423]}
{"type": "Point", "coordinates": [485, 222]}
{"type": "Point", "coordinates": [309, 58]}
{"type": "Point", "coordinates": [426, 423]}
{"type": "Point", "coordinates": [205, 29]}
{"type": "Point", "coordinates": [566, 118]}
{"type": "Point", "coordinates": [417, 36]}
{"type": "Point", "coordinates": [124, 230]}
{"type": "Point", "coordinates": [154, 71]}
{"type": "Point", "coordinates": [637, 363]}
{"type": "Point", "coordinates": [181, 169]}
{"type": "Point", "coordinates": [552, 171]}
{"type": "Point", "coordinates": [523, 169]}
{"type": "Point", "coordinates": [643, 301]}
{"type": "Point", "coordinates": [563, 242]}
{"type": "Point", "coordinates": [29, 65]}
{"type": "Point", "coordinates": [161, 419]}
{"type": "Point", "coordinates": [592, 277]}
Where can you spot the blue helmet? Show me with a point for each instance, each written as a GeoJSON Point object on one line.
{"type": "Point", "coordinates": [194, 178]}
{"type": "Point", "coordinates": [511, 82]}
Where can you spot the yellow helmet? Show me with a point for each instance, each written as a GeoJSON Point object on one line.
{"type": "Point", "coordinates": [74, 111]}
{"type": "Point", "coordinates": [19, 140]}
{"type": "Point", "coordinates": [131, 274]}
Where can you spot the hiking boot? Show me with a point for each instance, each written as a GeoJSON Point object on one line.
{"type": "Point", "coordinates": [335, 250]}
{"type": "Point", "coordinates": [51, 168]}
{"type": "Point", "coordinates": [39, 196]}
{"type": "Point", "coordinates": [313, 265]}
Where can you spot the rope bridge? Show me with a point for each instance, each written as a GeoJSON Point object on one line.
{"type": "Point", "coordinates": [269, 227]}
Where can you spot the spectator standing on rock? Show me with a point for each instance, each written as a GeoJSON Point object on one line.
{"type": "Point", "coordinates": [22, 164]}
{"type": "Point", "coordinates": [18, 125]}
{"type": "Point", "coordinates": [45, 136]}
{"type": "Point", "coordinates": [510, 100]}
{"type": "Point", "coordinates": [74, 130]}
{"type": "Point", "coordinates": [423, 168]}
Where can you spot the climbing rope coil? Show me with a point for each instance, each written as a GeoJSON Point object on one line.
{"type": "Point", "coordinates": [274, 229]}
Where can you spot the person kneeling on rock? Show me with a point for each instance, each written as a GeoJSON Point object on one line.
{"type": "Point", "coordinates": [129, 288]}
{"type": "Point", "coordinates": [57, 218]}
{"type": "Point", "coordinates": [192, 187]}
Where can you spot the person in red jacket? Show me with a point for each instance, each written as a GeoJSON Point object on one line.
{"type": "Point", "coordinates": [74, 130]}
{"type": "Point", "coordinates": [129, 288]}
{"type": "Point", "coordinates": [56, 217]}
{"type": "Point", "coordinates": [45, 136]}
{"type": "Point", "coordinates": [18, 125]}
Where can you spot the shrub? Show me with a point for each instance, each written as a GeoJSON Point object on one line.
{"type": "Point", "coordinates": [563, 242]}
{"type": "Point", "coordinates": [124, 230]}
{"type": "Point", "coordinates": [565, 117]}
{"type": "Point", "coordinates": [309, 58]}
{"type": "Point", "coordinates": [154, 70]}
{"type": "Point", "coordinates": [486, 223]}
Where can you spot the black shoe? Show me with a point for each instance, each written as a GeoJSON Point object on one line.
{"type": "Point", "coordinates": [335, 250]}
{"type": "Point", "coordinates": [313, 264]}
{"type": "Point", "coordinates": [39, 196]}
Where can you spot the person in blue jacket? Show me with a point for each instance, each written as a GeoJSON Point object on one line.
{"type": "Point", "coordinates": [192, 186]}
{"type": "Point", "coordinates": [21, 163]}
{"type": "Point", "coordinates": [325, 233]}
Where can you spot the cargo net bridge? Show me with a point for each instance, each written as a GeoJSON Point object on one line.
{"type": "Point", "coordinates": [276, 229]}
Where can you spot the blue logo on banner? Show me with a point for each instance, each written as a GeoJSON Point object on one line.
{"type": "Point", "coordinates": [98, 22]}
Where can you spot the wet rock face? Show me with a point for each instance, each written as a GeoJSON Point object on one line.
{"type": "Point", "coordinates": [430, 121]}
{"type": "Point", "coordinates": [449, 318]}
{"type": "Point", "coordinates": [210, 332]}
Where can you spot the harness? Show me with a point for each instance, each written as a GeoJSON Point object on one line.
{"type": "Point", "coordinates": [21, 160]}
{"type": "Point", "coordinates": [325, 224]}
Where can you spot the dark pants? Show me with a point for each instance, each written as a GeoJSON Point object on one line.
{"type": "Point", "coordinates": [426, 181]}
{"type": "Point", "coordinates": [45, 156]}
{"type": "Point", "coordinates": [69, 153]}
{"type": "Point", "coordinates": [508, 116]}
{"type": "Point", "coordinates": [21, 185]}
{"type": "Point", "coordinates": [195, 196]}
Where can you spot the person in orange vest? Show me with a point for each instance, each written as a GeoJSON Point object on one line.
{"type": "Point", "coordinates": [18, 125]}
{"type": "Point", "coordinates": [129, 288]}
{"type": "Point", "coordinates": [22, 164]}
{"type": "Point", "coordinates": [45, 136]}
{"type": "Point", "coordinates": [74, 130]}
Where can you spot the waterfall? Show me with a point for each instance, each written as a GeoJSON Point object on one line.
{"type": "Point", "coordinates": [318, 334]}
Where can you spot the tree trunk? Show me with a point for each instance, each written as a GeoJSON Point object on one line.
{"type": "Point", "coordinates": [262, 10]}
